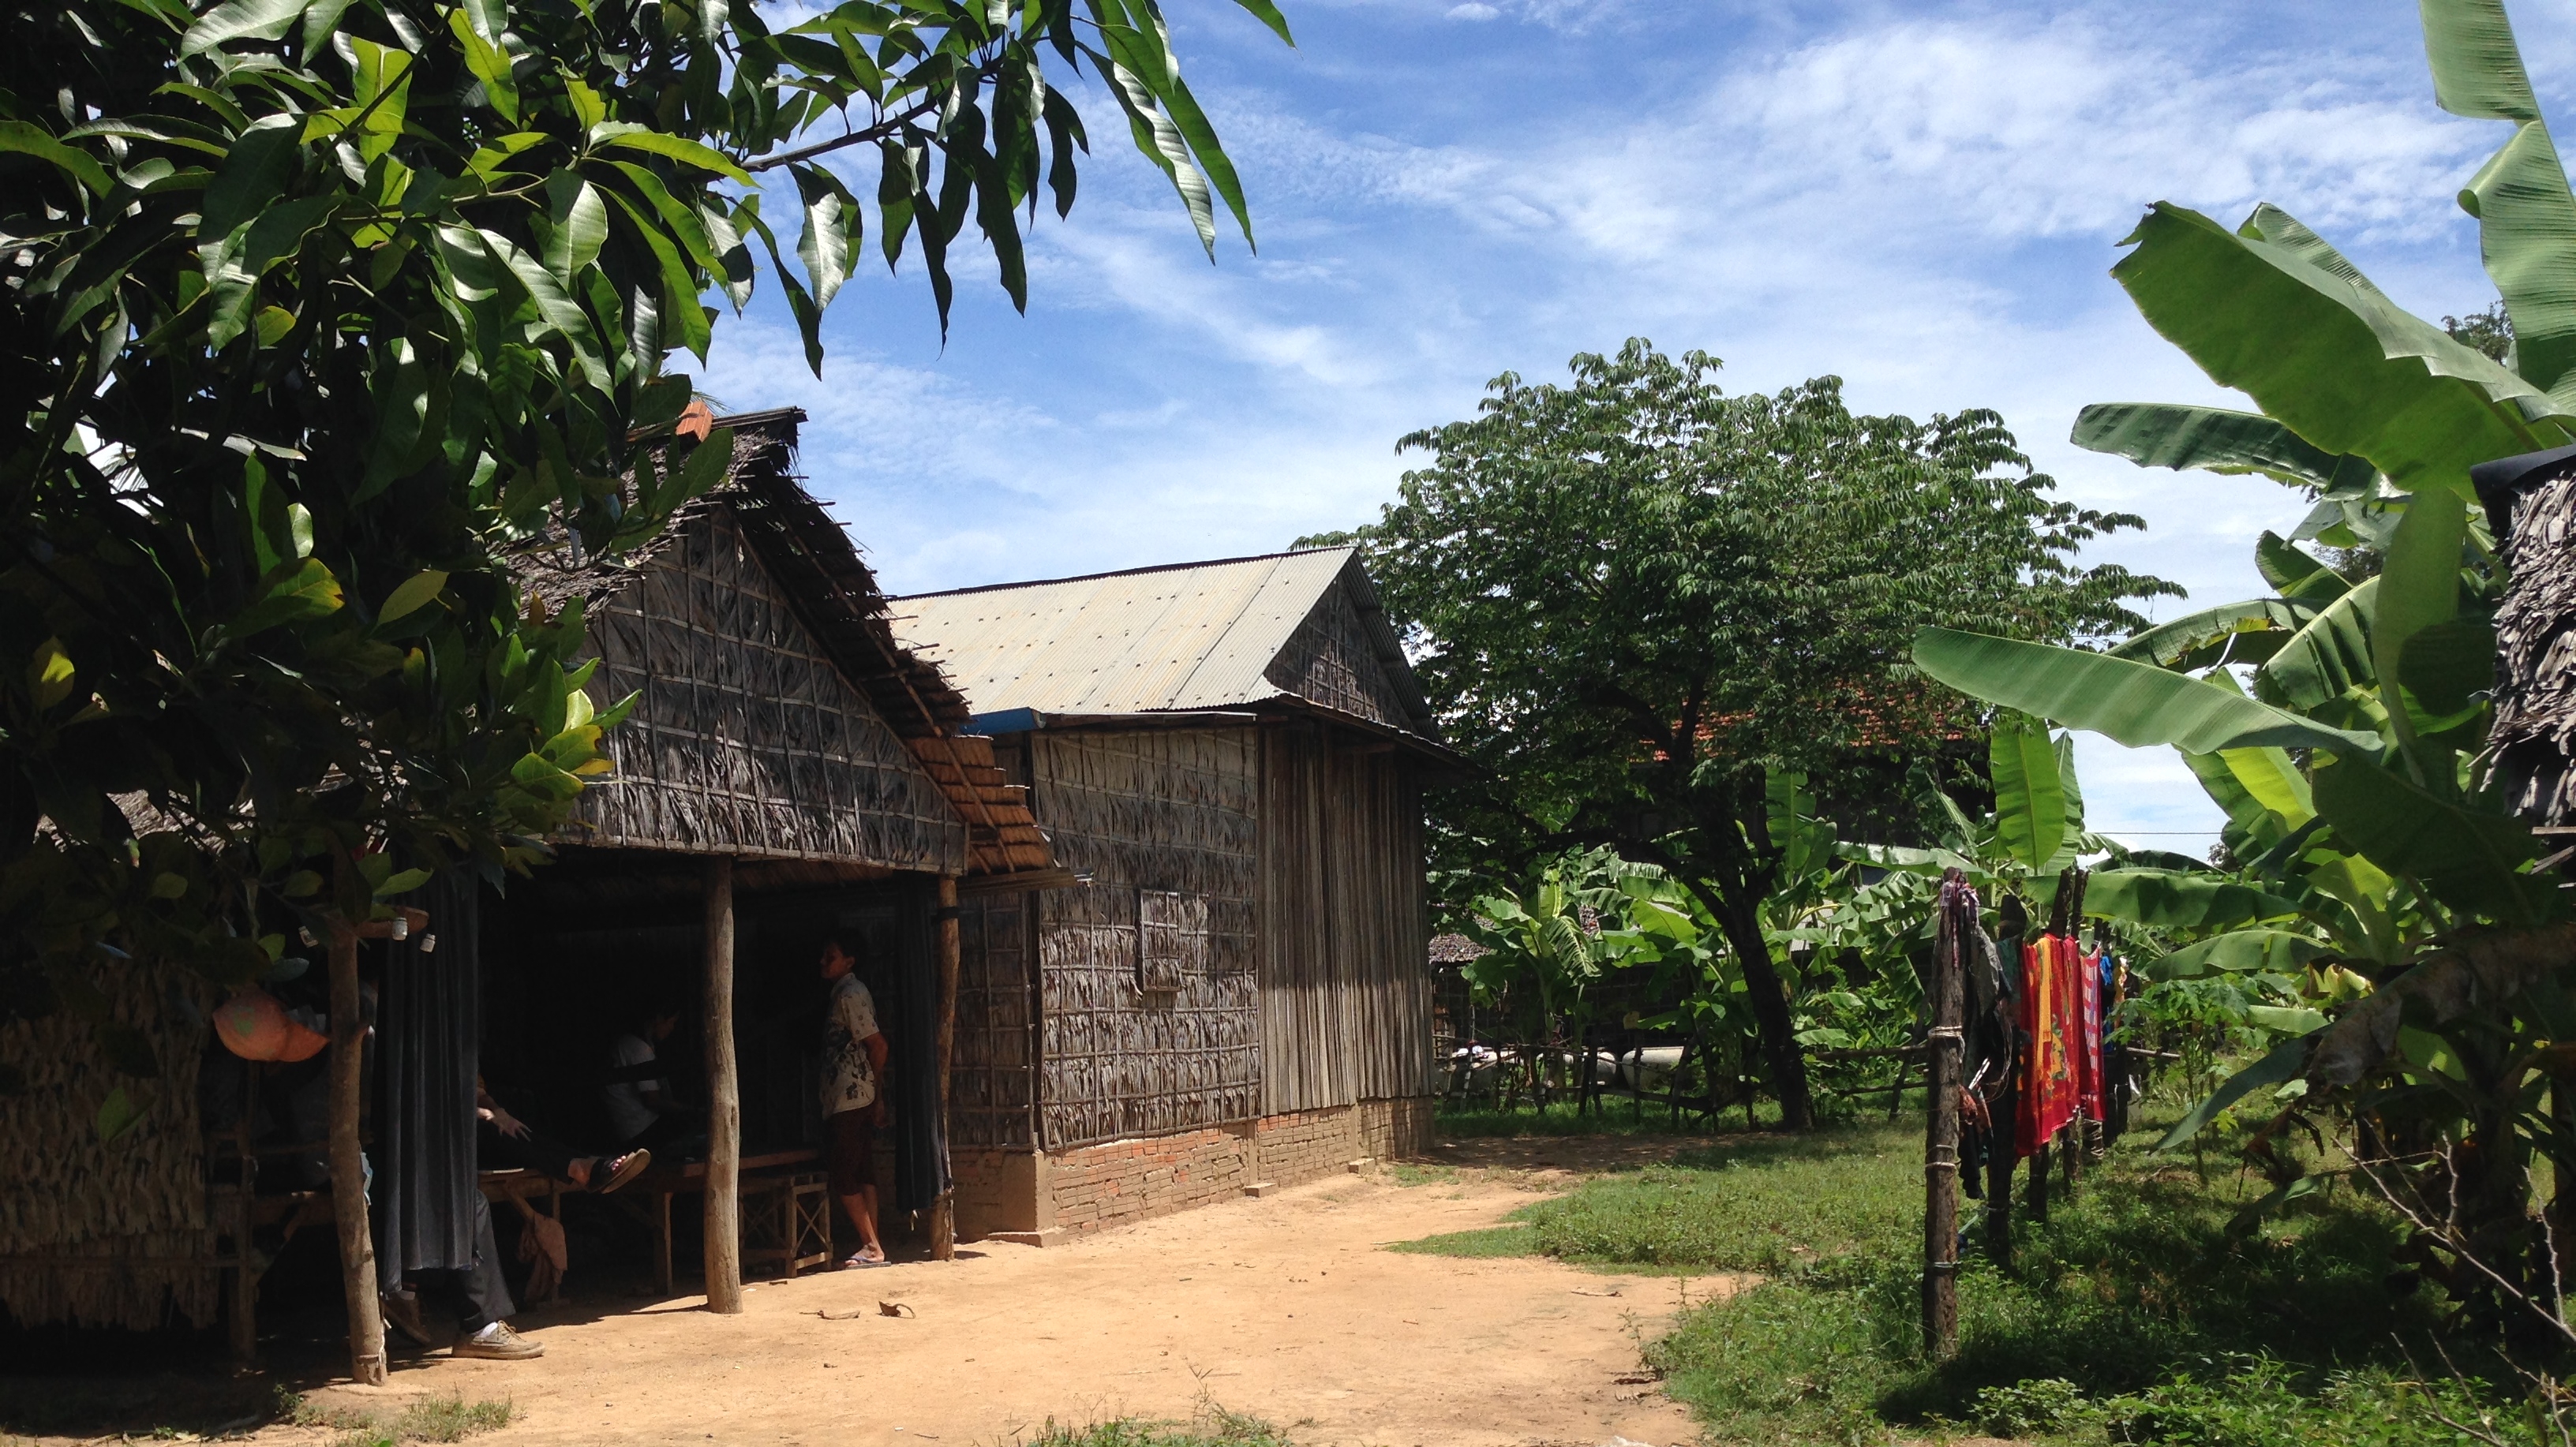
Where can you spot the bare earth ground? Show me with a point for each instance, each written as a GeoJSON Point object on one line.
{"type": "Point", "coordinates": [1285, 1308]}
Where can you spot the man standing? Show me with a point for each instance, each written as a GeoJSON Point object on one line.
{"type": "Point", "coordinates": [854, 1104]}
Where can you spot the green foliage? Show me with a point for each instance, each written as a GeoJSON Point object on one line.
{"type": "Point", "coordinates": [1637, 600]}
{"type": "Point", "coordinates": [2146, 1297]}
{"type": "Point", "coordinates": [320, 313]}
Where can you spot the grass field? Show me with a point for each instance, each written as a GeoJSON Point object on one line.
{"type": "Point", "coordinates": [2143, 1310]}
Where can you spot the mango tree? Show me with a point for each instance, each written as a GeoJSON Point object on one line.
{"type": "Point", "coordinates": [318, 312]}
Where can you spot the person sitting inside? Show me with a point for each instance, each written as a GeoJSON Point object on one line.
{"type": "Point", "coordinates": [641, 1110]}
{"type": "Point", "coordinates": [509, 1141]}
{"type": "Point", "coordinates": [854, 1103]}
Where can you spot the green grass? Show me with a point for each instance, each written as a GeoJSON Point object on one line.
{"type": "Point", "coordinates": [1611, 1116]}
{"type": "Point", "coordinates": [434, 1419]}
{"type": "Point", "coordinates": [2144, 1310]}
{"type": "Point", "coordinates": [1766, 1204]}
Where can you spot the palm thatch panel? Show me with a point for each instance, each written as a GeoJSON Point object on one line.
{"type": "Point", "coordinates": [107, 1233]}
{"type": "Point", "coordinates": [2535, 697]}
{"type": "Point", "coordinates": [746, 738]}
{"type": "Point", "coordinates": [1334, 659]}
{"type": "Point", "coordinates": [992, 1087]}
{"type": "Point", "coordinates": [1166, 811]}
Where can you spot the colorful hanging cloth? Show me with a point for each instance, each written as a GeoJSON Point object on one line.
{"type": "Point", "coordinates": [2086, 976]}
{"type": "Point", "coordinates": [2049, 1019]}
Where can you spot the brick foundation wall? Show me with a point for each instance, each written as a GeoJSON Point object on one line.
{"type": "Point", "coordinates": [1122, 1181]}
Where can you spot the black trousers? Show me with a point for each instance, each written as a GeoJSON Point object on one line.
{"type": "Point", "coordinates": [478, 1292]}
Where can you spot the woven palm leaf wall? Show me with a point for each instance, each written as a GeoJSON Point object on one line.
{"type": "Point", "coordinates": [67, 1198]}
{"type": "Point", "coordinates": [1163, 810]}
{"type": "Point", "coordinates": [747, 740]}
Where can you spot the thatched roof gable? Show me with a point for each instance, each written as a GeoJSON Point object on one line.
{"type": "Point", "coordinates": [745, 624]}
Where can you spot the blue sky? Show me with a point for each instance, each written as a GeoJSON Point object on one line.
{"type": "Point", "coordinates": [1921, 199]}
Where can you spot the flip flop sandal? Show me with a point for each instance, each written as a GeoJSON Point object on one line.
{"type": "Point", "coordinates": [860, 1263]}
{"type": "Point", "coordinates": [620, 1171]}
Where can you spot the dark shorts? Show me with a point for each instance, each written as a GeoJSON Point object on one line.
{"type": "Point", "coordinates": [849, 1149]}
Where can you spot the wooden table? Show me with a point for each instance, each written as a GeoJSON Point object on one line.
{"type": "Point", "coordinates": [689, 1177]}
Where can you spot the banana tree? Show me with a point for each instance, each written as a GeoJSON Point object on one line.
{"type": "Point", "coordinates": [2351, 770]}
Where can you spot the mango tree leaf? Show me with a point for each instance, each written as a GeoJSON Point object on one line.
{"type": "Point", "coordinates": [2279, 1067]}
{"type": "Point", "coordinates": [2166, 899]}
{"type": "Point", "coordinates": [2245, 951]}
{"type": "Point", "coordinates": [28, 139]}
{"type": "Point", "coordinates": [2469, 859]}
{"type": "Point", "coordinates": [2326, 354]}
{"type": "Point", "coordinates": [2133, 703]}
{"type": "Point", "coordinates": [415, 591]}
{"type": "Point", "coordinates": [576, 224]}
{"type": "Point", "coordinates": [122, 1111]}
{"type": "Point", "coordinates": [2214, 439]}
{"type": "Point", "coordinates": [241, 20]}
{"type": "Point", "coordinates": [617, 135]}
{"type": "Point", "coordinates": [2030, 805]}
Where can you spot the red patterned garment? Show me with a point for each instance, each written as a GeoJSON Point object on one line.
{"type": "Point", "coordinates": [2085, 975]}
{"type": "Point", "coordinates": [2050, 1007]}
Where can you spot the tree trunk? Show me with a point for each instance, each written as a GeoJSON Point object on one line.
{"type": "Point", "coordinates": [943, 1214]}
{"type": "Point", "coordinates": [724, 1101]}
{"type": "Point", "coordinates": [349, 1164]}
{"type": "Point", "coordinates": [1941, 1077]}
{"type": "Point", "coordinates": [1769, 997]}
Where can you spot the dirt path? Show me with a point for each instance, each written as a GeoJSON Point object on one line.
{"type": "Point", "coordinates": [1285, 1308]}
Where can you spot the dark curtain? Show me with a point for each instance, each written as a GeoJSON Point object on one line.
{"type": "Point", "coordinates": [425, 1188]}
{"type": "Point", "coordinates": [921, 1144]}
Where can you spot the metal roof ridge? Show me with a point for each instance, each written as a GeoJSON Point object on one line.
{"type": "Point", "coordinates": [1130, 572]}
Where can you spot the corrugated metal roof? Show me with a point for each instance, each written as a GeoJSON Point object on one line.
{"type": "Point", "coordinates": [1198, 635]}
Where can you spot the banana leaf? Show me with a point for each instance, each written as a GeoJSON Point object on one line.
{"type": "Point", "coordinates": [2245, 951]}
{"type": "Point", "coordinates": [2470, 859]}
{"type": "Point", "coordinates": [2133, 703]}
{"type": "Point", "coordinates": [2447, 663]}
{"type": "Point", "coordinates": [2030, 801]}
{"type": "Point", "coordinates": [2419, 587]}
{"type": "Point", "coordinates": [2164, 899]}
{"type": "Point", "coordinates": [2214, 439]}
{"type": "Point", "coordinates": [2213, 635]}
{"type": "Point", "coordinates": [2277, 316]}
{"type": "Point", "coordinates": [2329, 655]}
{"type": "Point", "coordinates": [2526, 215]}
{"type": "Point", "coordinates": [2295, 571]}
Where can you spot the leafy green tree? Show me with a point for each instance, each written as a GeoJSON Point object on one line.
{"type": "Point", "coordinates": [317, 312]}
{"type": "Point", "coordinates": [1635, 597]}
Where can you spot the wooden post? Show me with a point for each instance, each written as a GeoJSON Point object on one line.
{"type": "Point", "coordinates": [2073, 1150]}
{"type": "Point", "coordinates": [943, 1212]}
{"type": "Point", "coordinates": [724, 1101]}
{"type": "Point", "coordinates": [245, 1303]}
{"type": "Point", "coordinates": [1999, 1175]}
{"type": "Point", "coordinates": [349, 1162]}
{"type": "Point", "coordinates": [2038, 1202]}
{"type": "Point", "coordinates": [1941, 1075]}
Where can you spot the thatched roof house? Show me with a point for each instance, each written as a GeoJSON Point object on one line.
{"type": "Point", "coordinates": [790, 766]}
{"type": "Point", "coordinates": [1234, 753]}
{"type": "Point", "coordinates": [2531, 508]}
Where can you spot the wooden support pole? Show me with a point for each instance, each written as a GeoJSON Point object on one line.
{"type": "Point", "coordinates": [2038, 1202]}
{"type": "Point", "coordinates": [244, 1324]}
{"type": "Point", "coordinates": [349, 1162]}
{"type": "Point", "coordinates": [1999, 1175]}
{"type": "Point", "coordinates": [943, 1213]}
{"type": "Point", "coordinates": [724, 1101]}
{"type": "Point", "coordinates": [1942, 1073]}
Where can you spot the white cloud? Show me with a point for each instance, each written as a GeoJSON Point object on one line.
{"type": "Point", "coordinates": [1474, 11]}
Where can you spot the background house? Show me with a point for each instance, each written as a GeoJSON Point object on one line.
{"type": "Point", "coordinates": [1234, 753]}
